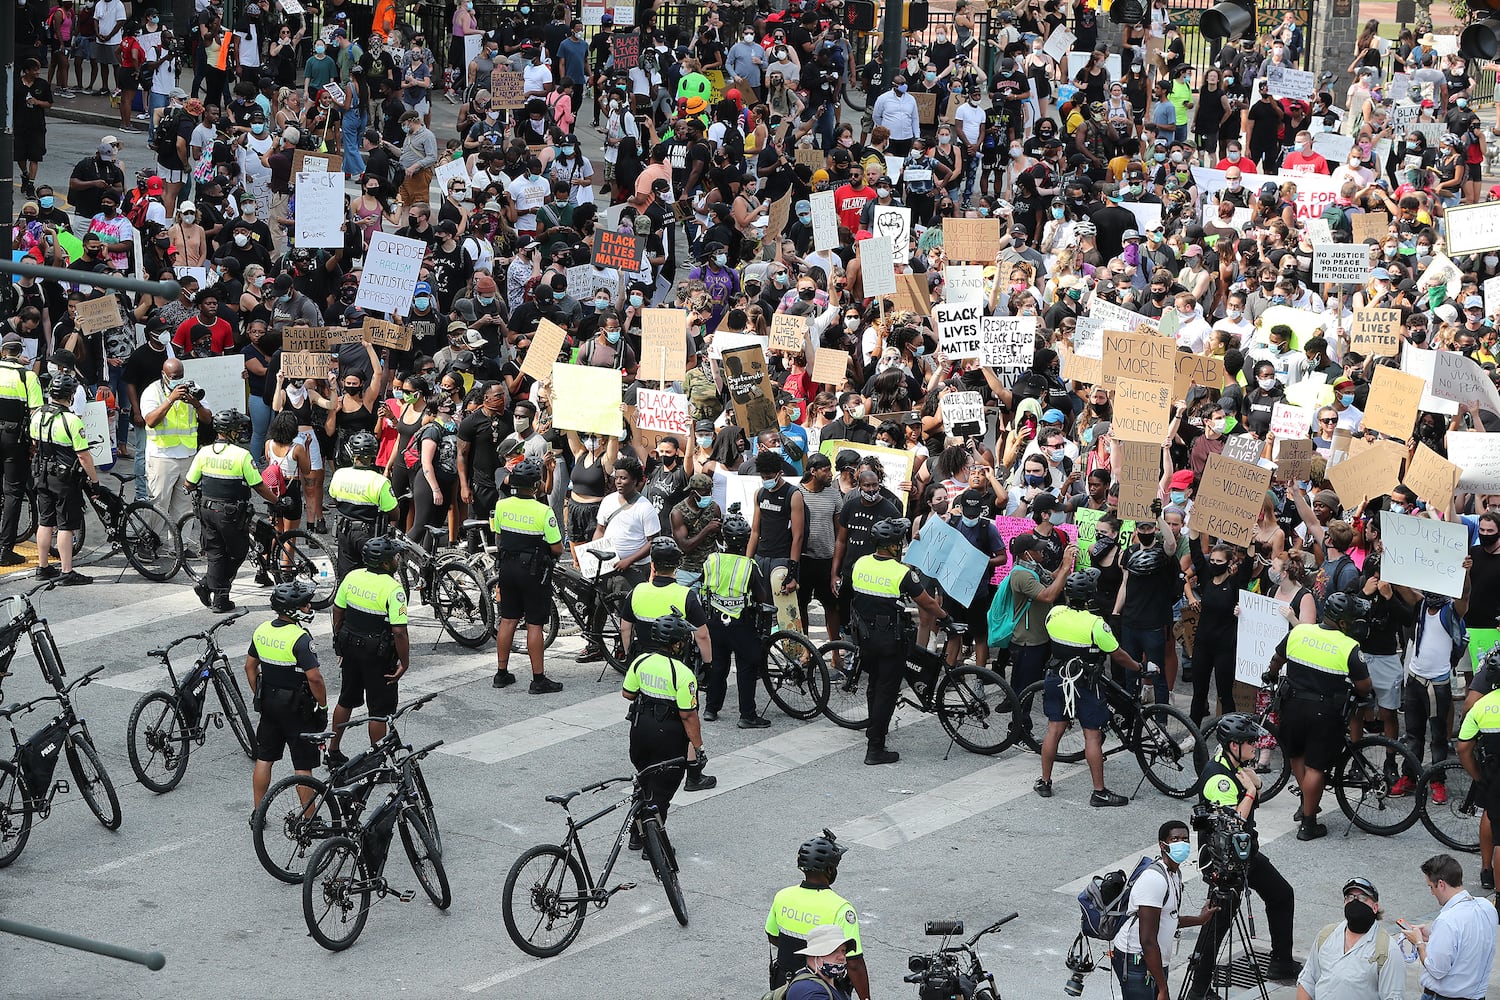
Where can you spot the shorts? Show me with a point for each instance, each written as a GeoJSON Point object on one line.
{"type": "Point", "coordinates": [583, 518]}
{"type": "Point", "coordinates": [522, 594]}
{"type": "Point", "coordinates": [31, 146]}
{"type": "Point", "coordinates": [1475, 172]}
{"type": "Point", "coordinates": [365, 680]}
{"type": "Point", "coordinates": [309, 440]}
{"type": "Point", "coordinates": [1386, 674]}
{"type": "Point", "coordinates": [170, 176]}
{"type": "Point", "coordinates": [815, 582]}
{"type": "Point", "coordinates": [59, 507]}
{"type": "Point", "coordinates": [975, 614]}
{"type": "Point", "coordinates": [609, 171]}
{"type": "Point", "coordinates": [278, 731]}
{"type": "Point", "coordinates": [104, 55]}
{"type": "Point", "coordinates": [1089, 708]}
{"type": "Point", "coordinates": [1312, 731]}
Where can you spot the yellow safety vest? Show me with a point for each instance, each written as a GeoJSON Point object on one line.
{"type": "Point", "coordinates": [372, 599]}
{"type": "Point", "coordinates": [1325, 650]}
{"type": "Point", "coordinates": [178, 428]}
{"type": "Point", "coordinates": [726, 581]}
{"type": "Point", "coordinates": [1076, 632]}
{"type": "Point", "coordinates": [361, 493]}
{"type": "Point", "coordinates": [524, 524]}
{"type": "Point", "coordinates": [275, 645]}
{"type": "Point", "coordinates": [225, 470]}
{"type": "Point", "coordinates": [20, 393]}
{"type": "Point", "coordinates": [798, 909]}
{"type": "Point", "coordinates": [650, 601]}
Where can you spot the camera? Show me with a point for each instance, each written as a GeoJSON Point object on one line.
{"type": "Point", "coordinates": [194, 389]}
{"type": "Point", "coordinates": [1226, 847]}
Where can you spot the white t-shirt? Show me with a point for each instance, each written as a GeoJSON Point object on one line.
{"type": "Point", "coordinates": [528, 196]}
{"type": "Point", "coordinates": [536, 77]}
{"type": "Point", "coordinates": [1431, 658]}
{"type": "Point", "coordinates": [107, 16]}
{"type": "Point", "coordinates": [627, 529]}
{"type": "Point", "coordinates": [971, 120]}
{"type": "Point", "coordinates": [1154, 887]}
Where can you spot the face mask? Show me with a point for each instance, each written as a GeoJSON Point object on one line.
{"type": "Point", "coordinates": [1159, 158]}
{"type": "Point", "coordinates": [591, 442]}
{"type": "Point", "coordinates": [601, 304]}
{"type": "Point", "coordinates": [1015, 151]}
{"type": "Point", "coordinates": [1058, 454]}
{"type": "Point", "coordinates": [319, 48]}
{"type": "Point", "coordinates": [807, 294]}
{"type": "Point", "coordinates": [189, 217]}
{"type": "Point", "coordinates": [1347, 399]}
{"type": "Point", "coordinates": [1057, 213]}
{"type": "Point", "coordinates": [47, 201]}
{"type": "Point", "coordinates": [970, 522]}
{"type": "Point", "coordinates": [869, 496]}
{"type": "Point", "coordinates": [636, 301]}
{"type": "Point", "coordinates": [1278, 300]}
{"type": "Point", "coordinates": [612, 336]}
{"type": "Point", "coordinates": [1234, 314]}
{"type": "Point", "coordinates": [1359, 915]}
{"type": "Point", "coordinates": [705, 440]}
{"type": "Point", "coordinates": [1179, 851]}
{"type": "Point", "coordinates": [768, 484]}
{"type": "Point", "coordinates": [1035, 480]}
{"type": "Point", "coordinates": [1463, 102]}
{"type": "Point", "coordinates": [720, 259]}
{"type": "Point", "coordinates": [1178, 497]}
{"type": "Point", "coordinates": [1389, 252]}
{"type": "Point", "coordinates": [1234, 156]}
{"type": "Point", "coordinates": [1265, 383]}
{"type": "Point", "coordinates": [258, 129]}
{"type": "Point", "coordinates": [240, 240]}
{"type": "Point", "coordinates": [900, 88]}
{"type": "Point", "coordinates": [1491, 261]}
{"type": "Point", "coordinates": [421, 302]}
{"type": "Point", "coordinates": [832, 970]}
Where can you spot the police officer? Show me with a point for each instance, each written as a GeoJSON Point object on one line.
{"type": "Point", "coordinates": [221, 478]}
{"type": "Point", "coordinates": [369, 635]}
{"type": "Point", "coordinates": [1080, 643]}
{"type": "Point", "coordinates": [1479, 751]}
{"type": "Point", "coordinates": [60, 462]}
{"type": "Point", "coordinates": [797, 909]}
{"type": "Point", "coordinates": [362, 494]}
{"type": "Point", "coordinates": [664, 714]}
{"type": "Point", "coordinates": [528, 542]}
{"type": "Point", "coordinates": [20, 397]}
{"type": "Point", "coordinates": [1229, 781]}
{"type": "Point", "coordinates": [735, 590]}
{"type": "Point", "coordinates": [1321, 662]}
{"type": "Point", "coordinates": [663, 595]}
{"type": "Point", "coordinates": [882, 631]}
{"type": "Point", "coordinates": [286, 685]}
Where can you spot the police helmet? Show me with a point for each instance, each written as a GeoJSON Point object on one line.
{"type": "Point", "coordinates": [363, 448]}
{"type": "Point", "coordinates": [670, 632]}
{"type": "Point", "coordinates": [380, 555]}
{"type": "Point", "coordinates": [736, 531]}
{"type": "Point", "coordinates": [891, 531]}
{"type": "Point", "coordinates": [64, 386]}
{"type": "Point", "coordinates": [1240, 727]}
{"type": "Point", "coordinates": [1343, 610]}
{"type": "Point", "coordinates": [820, 854]}
{"type": "Point", "coordinates": [1147, 561]}
{"type": "Point", "coordinates": [527, 475]}
{"type": "Point", "coordinates": [289, 598]}
{"type": "Point", "coordinates": [665, 553]}
{"type": "Point", "coordinates": [1082, 588]}
{"type": "Point", "coordinates": [230, 424]}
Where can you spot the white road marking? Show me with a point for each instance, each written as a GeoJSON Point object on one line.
{"type": "Point", "coordinates": [540, 731]}
{"type": "Point", "coordinates": [949, 803]}
{"type": "Point", "coordinates": [520, 970]}
{"type": "Point", "coordinates": [772, 756]}
{"type": "Point", "coordinates": [155, 852]}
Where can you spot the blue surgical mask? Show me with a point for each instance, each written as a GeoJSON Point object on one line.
{"type": "Point", "coordinates": [970, 522]}
{"type": "Point", "coordinates": [806, 220]}
{"type": "Point", "coordinates": [637, 301]}
{"type": "Point", "coordinates": [486, 300]}
{"type": "Point", "coordinates": [1087, 436]}
{"type": "Point", "coordinates": [1179, 851]}
{"type": "Point", "coordinates": [1278, 300]}
{"type": "Point", "coordinates": [319, 48]}
{"type": "Point", "coordinates": [47, 201]}
{"type": "Point", "coordinates": [768, 484]}
{"type": "Point", "coordinates": [705, 502]}
{"type": "Point", "coordinates": [901, 88]}
{"type": "Point", "coordinates": [612, 336]}
{"type": "Point", "coordinates": [258, 128]}
{"type": "Point", "coordinates": [916, 352]}
{"type": "Point", "coordinates": [721, 259]}
{"type": "Point", "coordinates": [705, 440]}
{"type": "Point", "coordinates": [1057, 213]}
{"type": "Point", "coordinates": [1347, 399]}
{"type": "Point", "coordinates": [1178, 497]}
{"type": "Point", "coordinates": [601, 304]}
{"type": "Point", "coordinates": [566, 150]}
{"type": "Point", "coordinates": [421, 302]}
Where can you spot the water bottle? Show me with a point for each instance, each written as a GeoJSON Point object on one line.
{"type": "Point", "coordinates": [1459, 684]}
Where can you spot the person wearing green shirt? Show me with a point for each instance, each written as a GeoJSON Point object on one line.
{"type": "Point", "coordinates": [1181, 96]}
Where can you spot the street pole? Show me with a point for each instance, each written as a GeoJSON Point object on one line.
{"type": "Point", "coordinates": [8, 133]}
{"type": "Point", "coordinates": [891, 50]}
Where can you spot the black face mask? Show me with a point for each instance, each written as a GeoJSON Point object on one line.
{"type": "Point", "coordinates": [807, 294]}
{"type": "Point", "coordinates": [1359, 915]}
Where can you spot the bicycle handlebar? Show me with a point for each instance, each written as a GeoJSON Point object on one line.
{"type": "Point", "coordinates": [412, 706]}
{"type": "Point", "coordinates": [84, 680]}
{"type": "Point", "coordinates": [648, 769]}
{"type": "Point", "coordinates": [44, 585]}
{"type": "Point", "coordinates": [207, 634]}
{"type": "Point", "coordinates": [992, 928]}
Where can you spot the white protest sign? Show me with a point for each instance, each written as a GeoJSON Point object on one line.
{"type": "Point", "coordinates": [1147, 214]}
{"type": "Point", "coordinates": [1088, 337]}
{"type": "Point", "coordinates": [1114, 317]}
{"type": "Point", "coordinates": [1319, 232]}
{"type": "Point", "coordinates": [879, 267]}
{"type": "Point", "coordinates": [963, 283]}
{"type": "Point", "coordinates": [1491, 289]}
{"type": "Point", "coordinates": [1075, 61]}
{"type": "Point", "coordinates": [1473, 228]}
{"type": "Point", "coordinates": [728, 340]}
{"type": "Point", "coordinates": [1442, 271]}
{"type": "Point", "coordinates": [1295, 84]}
{"type": "Point", "coordinates": [1341, 263]}
{"type": "Point", "coordinates": [449, 170]}
{"type": "Point", "coordinates": [96, 430]}
{"type": "Point", "coordinates": [893, 223]}
{"type": "Point", "coordinates": [1423, 554]}
{"type": "Point", "coordinates": [1478, 455]}
{"type": "Point", "coordinates": [1059, 43]}
{"type": "Point", "coordinates": [1007, 344]}
{"type": "Point", "coordinates": [221, 379]}
{"type": "Point", "coordinates": [1460, 379]}
{"type": "Point", "coordinates": [963, 413]}
{"type": "Point", "coordinates": [664, 413]}
{"type": "Point", "coordinates": [958, 328]}
{"type": "Point", "coordinates": [1332, 145]}
{"type": "Point", "coordinates": [893, 165]}
{"type": "Point", "coordinates": [319, 218]}
{"type": "Point", "coordinates": [1291, 421]}
{"type": "Point", "coordinates": [825, 221]}
{"type": "Point", "coordinates": [1415, 361]}
{"type": "Point", "coordinates": [393, 265]}
{"type": "Point", "coordinates": [1261, 627]}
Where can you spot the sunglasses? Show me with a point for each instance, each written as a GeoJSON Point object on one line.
{"type": "Point", "coordinates": [1328, 420]}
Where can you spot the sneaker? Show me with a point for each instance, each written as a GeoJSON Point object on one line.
{"type": "Point", "coordinates": [1043, 787]}
{"type": "Point", "coordinates": [48, 573]}
{"type": "Point", "coordinates": [10, 557]}
{"type": "Point", "coordinates": [881, 756]}
{"type": "Point", "coordinates": [1310, 830]}
{"type": "Point", "coordinates": [754, 722]}
{"type": "Point", "coordinates": [334, 758]}
{"type": "Point", "coordinates": [73, 578]}
{"type": "Point", "coordinates": [222, 606]}
{"type": "Point", "coordinates": [1486, 878]}
{"type": "Point", "coordinates": [263, 579]}
{"type": "Point", "coordinates": [635, 843]}
{"type": "Point", "coordinates": [701, 783]}
{"type": "Point", "coordinates": [1284, 970]}
{"type": "Point", "coordinates": [591, 654]}
{"type": "Point", "coordinates": [542, 684]}
{"type": "Point", "coordinates": [452, 97]}
{"type": "Point", "coordinates": [205, 596]}
{"type": "Point", "coordinates": [503, 678]}
{"type": "Point", "coordinates": [1439, 793]}
{"type": "Point", "coordinates": [131, 130]}
{"type": "Point", "coordinates": [1404, 786]}
{"type": "Point", "coordinates": [709, 715]}
{"type": "Point", "coordinates": [1104, 798]}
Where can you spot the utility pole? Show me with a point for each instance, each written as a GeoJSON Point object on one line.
{"type": "Point", "coordinates": [891, 38]}
{"type": "Point", "coordinates": [8, 134]}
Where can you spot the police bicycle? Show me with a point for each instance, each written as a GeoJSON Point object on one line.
{"type": "Point", "coordinates": [166, 724]}
{"type": "Point", "coordinates": [26, 785]}
{"type": "Point", "coordinates": [587, 599]}
{"type": "Point", "coordinates": [18, 616]}
{"type": "Point", "coordinates": [278, 557]}
{"type": "Point", "coordinates": [442, 579]}
{"type": "Point", "coordinates": [1363, 776]}
{"type": "Point", "coordinates": [301, 810]}
{"type": "Point", "coordinates": [976, 706]}
{"type": "Point", "coordinates": [550, 888]}
{"type": "Point", "coordinates": [794, 675]}
{"type": "Point", "coordinates": [138, 529]}
{"type": "Point", "coordinates": [1166, 744]}
{"type": "Point", "coordinates": [347, 872]}
{"type": "Point", "coordinates": [1454, 822]}
{"type": "Point", "coordinates": [954, 972]}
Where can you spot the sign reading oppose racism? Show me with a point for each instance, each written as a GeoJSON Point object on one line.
{"type": "Point", "coordinates": [1230, 499]}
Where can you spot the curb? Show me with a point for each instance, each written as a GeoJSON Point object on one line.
{"type": "Point", "coordinates": [83, 117]}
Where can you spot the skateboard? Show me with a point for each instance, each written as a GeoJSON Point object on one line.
{"type": "Point", "coordinates": [788, 614]}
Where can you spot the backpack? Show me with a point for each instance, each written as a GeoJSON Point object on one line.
{"type": "Point", "coordinates": [1004, 615]}
{"type": "Point", "coordinates": [1338, 220]}
{"type": "Point", "coordinates": [1382, 945]}
{"type": "Point", "coordinates": [166, 130]}
{"type": "Point", "coordinates": [1105, 901]}
{"type": "Point", "coordinates": [780, 992]}
{"type": "Point", "coordinates": [446, 459]}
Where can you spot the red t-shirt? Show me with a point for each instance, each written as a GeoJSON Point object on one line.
{"type": "Point", "coordinates": [219, 342]}
{"type": "Point", "coordinates": [1299, 163]}
{"type": "Point", "coordinates": [849, 203]}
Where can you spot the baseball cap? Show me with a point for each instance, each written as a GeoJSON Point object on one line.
{"type": "Point", "coordinates": [1380, 274]}
{"type": "Point", "coordinates": [155, 185]}
{"type": "Point", "coordinates": [1473, 302]}
{"type": "Point", "coordinates": [1130, 234]}
{"type": "Point", "coordinates": [1053, 416]}
{"type": "Point", "coordinates": [283, 283]}
{"type": "Point", "coordinates": [106, 152]}
{"type": "Point", "coordinates": [1182, 479]}
{"type": "Point", "coordinates": [423, 288]}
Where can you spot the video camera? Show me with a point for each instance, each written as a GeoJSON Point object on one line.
{"type": "Point", "coordinates": [1226, 847]}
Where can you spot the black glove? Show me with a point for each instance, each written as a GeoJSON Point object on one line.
{"type": "Point", "coordinates": [286, 503]}
{"type": "Point", "coordinates": [1267, 679]}
{"type": "Point", "coordinates": [318, 719]}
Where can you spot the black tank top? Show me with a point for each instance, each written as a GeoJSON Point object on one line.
{"type": "Point", "coordinates": [775, 538]}
{"type": "Point", "coordinates": [588, 479]}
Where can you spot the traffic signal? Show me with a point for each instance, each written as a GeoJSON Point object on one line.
{"type": "Point", "coordinates": [1481, 40]}
{"type": "Point", "coordinates": [1228, 20]}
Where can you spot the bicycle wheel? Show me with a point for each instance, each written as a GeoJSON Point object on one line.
{"type": "Point", "coordinates": [298, 555]}
{"type": "Point", "coordinates": [15, 814]}
{"type": "Point", "coordinates": [664, 866]}
{"type": "Point", "coordinates": [190, 544]}
{"type": "Point", "coordinates": [286, 829]}
{"type": "Point", "coordinates": [424, 802]}
{"type": "Point", "coordinates": [610, 641]}
{"type": "Point", "coordinates": [1032, 716]}
{"type": "Point", "coordinates": [336, 894]}
{"type": "Point", "coordinates": [1362, 781]}
{"type": "Point", "coordinates": [462, 604]}
{"type": "Point", "coordinates": [549, 632]}
{"type": "Point", "coordinates": [549, 914]}
{"type": "Point", "coordinates": [234, 709]}
{"type": "Point", "coordinates": [88, 771]}
{"type": "Point", "coordinates": [854, 96]}
{"type": "Point", "coordinates": [847, 704]}
{"type": "Point", "coordinates": [426, 860]}
{"type": "Point", "coordinates": [795, 676]}
{"type": "Point", "coordinates": [1271, 764]}
{"type": "Point", "coordinates": [149, 540]}
{"type": "Point", "coordinates": [1168, 749]}
{"type": "Point", "coordinates": [157, 742]}
{"type": "Point", "coordinates": [1456, 821]}
{"type": "Point", "coordinates": [977, 708]}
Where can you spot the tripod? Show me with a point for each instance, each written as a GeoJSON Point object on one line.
{"type": "Point", "coordinates": [1232, 907]}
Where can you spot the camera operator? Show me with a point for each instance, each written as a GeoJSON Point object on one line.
{"type": "Point", "coordinates": [1229, 782]}
{"type": "Point", "coordinates": [1144, 947]}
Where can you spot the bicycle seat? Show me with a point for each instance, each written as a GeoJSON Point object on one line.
{"type": "Point", "coordinates": [156, 652]}
{"type": "Point", "coordinates": [603, 554]}
{"type": "Point", "coordinates": [10, 710]}
{"type": "Point", "coordinates": [435, 530]}
{"type": "Point", "coordinates": [123, 477]}
{"type": "Point", "coordinates": [563, 800]}
{"type": "Point", "coordinates": [475, 522]}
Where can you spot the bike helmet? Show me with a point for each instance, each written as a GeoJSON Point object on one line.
{"type": "Point", "coordinates": [821, 854]}
{"type": "Point", "coordinates": [670, 632]}
{"type": "Point", "coordinates": [1082, 229]}
{"type": "Point", "coordinates": [380, 555]}
{"type": "Point", "coordinates": [1240, 727]}
{"type": "Point", "coordinates": [363, 447]}
{"type": "Point", "coordinates": [891, 531]}
{"type": "Point", "coordinates": [665, 553]}
{"type": "Point", "coordinates": [64, 386]}
{"type": "Point", "coordinates": [289, 598]}
{"type": "Point", "coordinates": [527, 475]}
{"type": "Point", "coordinates": [1343, 609]}
{"type": "Point", "coordinates": [736, 531]}
{"type": "Point", "coordinates": [229, 423]}
{"type": "Point", "coordinates": [1082, 588]}
{"type": "Point", "coordinates": [1148, 561]}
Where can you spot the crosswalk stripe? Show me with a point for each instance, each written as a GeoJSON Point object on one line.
{"type": "Point", "coordinates": [943, 806]}
{"type": "Point", "coordinates": [587, 942]}
{"type": "Point", "coordinates": [772, 756]}
{"type": "Point", "coordinates": [540, 731]}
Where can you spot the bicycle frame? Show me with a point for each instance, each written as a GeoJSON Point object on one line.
{"type": "Point", "coordinates": [37, 756]}
{"type": "Point", "coordinates": [572, 844]}
{"type": "Point", "coordinates": [189, 692]}
{"type": "Point", "coordinates": [43, 646]}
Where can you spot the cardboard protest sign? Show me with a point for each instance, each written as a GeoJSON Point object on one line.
{"type": "Point", "coordinates": [304, 364]}
{"type": "Point", "coordinates": [1291, 421]}
{"type": "Point", "coordinates": [788, 333]}
{"type": "Point", "coordinates": [1377, 332]}
{"type": "Point", "coordinates": [1478, 455]}
{"type": "Point", "coordinates": [296, 339]}
{"type": "Point", "coordinates": [1423, 554]}
{"type": "Point", "coordinates": [894, 462]}
{"type": "Point", "coordinates": [586, 399]}
{"type": "Point", "coordinates": [1294, 459]}
{"type": "Point", "coordinates": [1196, 369]}
{"type": "Point", "coordinates": [814, 158]}
{"type": "Point", "coordinates": [830, 366]}
{"type": "Point", "coordinates": [507, 90]}
{"type": "Point", "coordinates": [660, 414]}
{"type": "Point", "coordinates": [926, 108]}
{"type": "Point", "coordinates": [1078, 368]}
{"type": "Point", "coordinates": [1370, 226]}
{"type": "Point", "coordinates": [912, 294]}
{"type": "Point", "coordinates": [958, 328]}
{"type": "Point", "coordinates": [776, 217]}
{"type": "Point", "coordinates": [319, 219]}
{"type": "Point", "coordinates": [1473, 228]}
{"type": "Point", "coordinates": [971, 240]}
{"type": "Point", "coordinates": [1142, 410]}
{"type": "Point", "coordinates": [1341, 263]}
{"type": "Point", "coordinates": [1243, 448]}
{"type": "Point", "coordinates": [99, 313]}
{"type": "Point", "coordinates": [1371, 473]}
{"type": "Point", "coordinates": [1460, 379]}
{"type": "Point", "coordinates": [307, 162]}
{"type": "Point", "coordinates": [392, 268]}
{"type": "Point", "coordinates": [963, 413]}
{"type": "Point", "coordinates": [748, 379]}
{"type": "Point", "coordinates": [546, 345]}
{"type": "Point", "coordinates": [621, 251]}
{"type": "Point", "coordinates": [1138, 356]}
{"type": "Point", "coordinates": [825, 221]}
{"type": "Point", "coordinates": [1393, 401]}
{"type": "Point", "coordinates": [1423, 364]}
{"type": "Point", "coordinates": [1260, 628]}
{"type": "Point", "coordinates": [1138, 466]}
{"type": "Point", "coordinates": [1007, 344]}
{"type": "Point", "coordinates": [663, 345]}
{"type": "Point", "coordinates": [1434, 478]}
{"type": "Point", "coordinates": [1230, 498]}
{"type": "Point", "coordinates": [379, 333]}
{"type": "Point", "coordinates": [877, 266]}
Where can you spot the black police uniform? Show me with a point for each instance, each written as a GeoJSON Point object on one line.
{"type": "Point", "coordinates": [58, 435]}
{"type": "Point", "coordinates": [20, 395]}
{"type": "Point", "coordinates": [883, 634]}
{"type": "Point", "coordinates": [664, 689]}
{"type": "Point", "coordinates": [223, 475]}
{"type": "Point", "coordinates": [282, 696]}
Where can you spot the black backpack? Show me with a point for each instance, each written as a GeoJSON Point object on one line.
{"type": "Point", "coordinates": [165, 139]}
